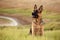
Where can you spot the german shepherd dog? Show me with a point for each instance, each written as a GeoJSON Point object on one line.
{"type": "Point", "coordinates": [36, 20]}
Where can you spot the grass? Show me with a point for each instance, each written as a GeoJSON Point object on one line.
{"type": "Point", "coordinates": [22, 33]}
{"type": "Point", "coordinates": [13, 33]}
{"type": "Point", "coordinates": [5, 20]}
{"type": "Point", "coordinates": [50, 15]}
{"type": "Point", "coordinates": [26, 12]}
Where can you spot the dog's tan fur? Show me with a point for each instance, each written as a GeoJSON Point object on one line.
{"type": "Point", "coordinates": [37, 27]}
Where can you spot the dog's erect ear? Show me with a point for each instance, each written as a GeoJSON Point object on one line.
{"type": "Point", "coordinates": [35, 7]}
{"type": "Point", "coordinates": [40, 8]}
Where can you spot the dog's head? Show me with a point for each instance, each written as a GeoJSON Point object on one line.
{"type": "Point", "coordinates": [38, 10]}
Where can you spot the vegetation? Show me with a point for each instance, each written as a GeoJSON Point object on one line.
{"type": "Point", "coordinates": [51, 27]}
{"type": "Point", "coordinates": [22, 33]}
{"type": "Point", "coordinates": [4, 20]}
{"type": "Point", "coordinates": [26, 12]}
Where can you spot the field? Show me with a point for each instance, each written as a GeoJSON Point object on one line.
{"type": "Point", "coordinates": [51, 5]}
{"type": "Point", "coordinates": [51, 26]}
{"type": "Point", "coordinates": [21, 10]}
{"type": "Point", "coordinates": [22, 33]}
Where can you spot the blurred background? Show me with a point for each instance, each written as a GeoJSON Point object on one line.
{"type": "Point", "coordinates": [51, 5]}
{"type": "Point", "coordinates": [20, 11]}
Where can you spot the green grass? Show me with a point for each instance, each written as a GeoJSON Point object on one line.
{"type": "Point", "coordinates": [5, 20]}
{"type": "Point", "coordinates": [22, 33]}
{"type": "Point", "coordinates": [13, 33]}
{"type": "Point", "coordinates": [54, 20]}
{"type": "Point", "coordinates": [52, 25]}
{"type": "Point", "coordinates": [26, 12]}
{"type": "Point", "coordinates": [50, 15]}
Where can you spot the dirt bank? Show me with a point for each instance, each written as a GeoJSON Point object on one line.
{"type": "Point", "coordinates": [20, 18]}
